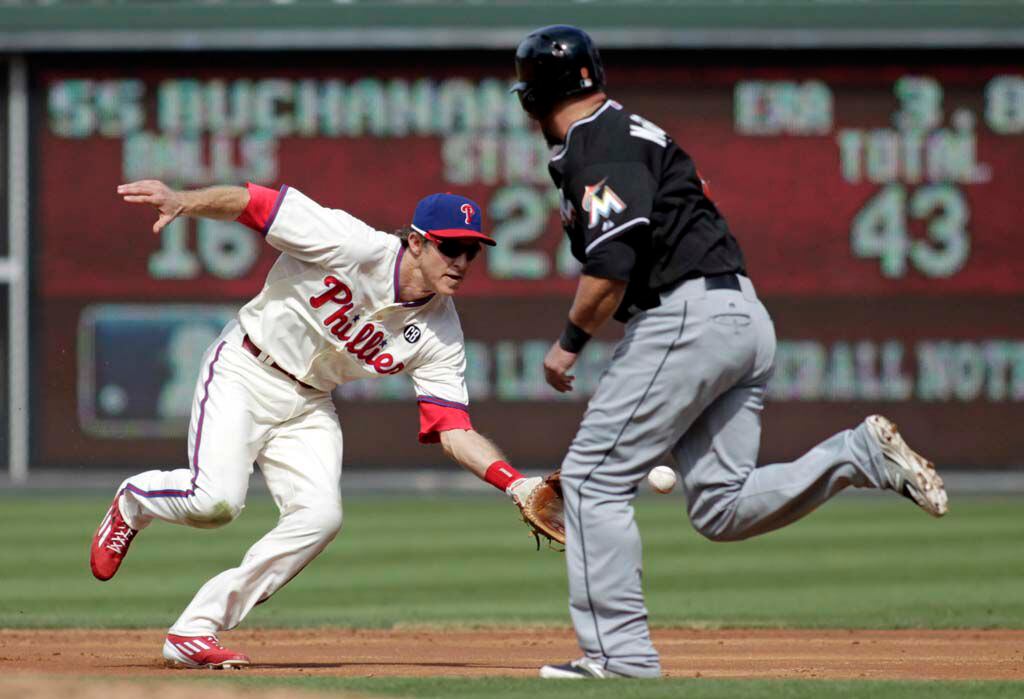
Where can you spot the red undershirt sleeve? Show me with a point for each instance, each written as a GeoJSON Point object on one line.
{"type": "Point", "coordinates": [436, 418]}
{"type": "Point", "coordinates": [263, 205]}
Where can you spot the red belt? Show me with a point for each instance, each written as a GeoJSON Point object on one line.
{"type": "Point", "coordinates": [255, 351]}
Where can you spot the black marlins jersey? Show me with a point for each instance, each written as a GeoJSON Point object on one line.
{"type": "Point", "coordinates": [635, 208]}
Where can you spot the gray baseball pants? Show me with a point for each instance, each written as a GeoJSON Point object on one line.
{"type": "Point", "coordinates": [688, 378]}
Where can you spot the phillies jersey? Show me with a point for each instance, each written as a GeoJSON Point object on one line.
{"type": "Point", "coordinates": [636, 210]}
{"type": "Point", "coordinates": [330, 311]}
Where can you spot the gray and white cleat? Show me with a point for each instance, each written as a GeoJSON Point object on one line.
{"type": "Point", "coordinates": [583, 668]}
{"type": "Point", "coordinates": [909, 473]}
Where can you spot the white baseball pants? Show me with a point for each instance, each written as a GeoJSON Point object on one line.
{"type": "Point", "coordinates": [245, 411]}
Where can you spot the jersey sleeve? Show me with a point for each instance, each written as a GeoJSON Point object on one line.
{"type": "Point", "coordinates": [440, 383]}
{"type": "Point", "coordinates": [298, 226]}
{"type": "Point", "coordinates": [436, 418]}
{"type": "Point", "coordinates": [611, 201]}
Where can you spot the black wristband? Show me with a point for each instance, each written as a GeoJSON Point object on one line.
{"type": "Point", "coordinates": [573, 338]}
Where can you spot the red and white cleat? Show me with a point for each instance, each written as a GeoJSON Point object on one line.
{"type": "Point", "coordinates": [201, 652]}
{"type": "Point", "coordinates": [110, 543]}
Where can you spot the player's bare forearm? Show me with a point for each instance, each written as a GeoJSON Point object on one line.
{"type": "Point", "coordinates": [471, 450]}
{"type": "Point", "coordinates": [225, 203]}
{"type": "Point", "coordinates": [595, 302]}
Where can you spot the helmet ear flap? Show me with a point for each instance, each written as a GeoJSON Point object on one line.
{"type": "Point", "coordinates": [534, 102]}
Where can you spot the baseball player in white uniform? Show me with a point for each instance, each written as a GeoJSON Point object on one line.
{"type": "Point", "coordinates": [342, 302]}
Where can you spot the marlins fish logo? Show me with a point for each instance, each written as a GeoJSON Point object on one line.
{"type": "Point", "coordinates": [601, 202]}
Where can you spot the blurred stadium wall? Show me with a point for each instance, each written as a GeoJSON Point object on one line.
{"type": "Point", "coordinates": [865, 153]}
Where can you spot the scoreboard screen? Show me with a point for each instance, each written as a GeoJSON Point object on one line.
{"type": "Point", "coordinates": [877, 206]}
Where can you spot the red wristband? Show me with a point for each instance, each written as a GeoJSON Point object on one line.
{"type": "Point", "coordinates": [500, 474]}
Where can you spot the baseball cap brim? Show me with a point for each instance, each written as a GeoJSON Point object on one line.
{"type": "Point", "coordinates": [459, 234]}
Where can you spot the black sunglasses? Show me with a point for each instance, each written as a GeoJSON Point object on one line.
{"type": "Point", "coordinates": [453, 249]}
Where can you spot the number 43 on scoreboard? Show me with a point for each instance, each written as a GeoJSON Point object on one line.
{"type": "Point", "coordinates": [881, 230]}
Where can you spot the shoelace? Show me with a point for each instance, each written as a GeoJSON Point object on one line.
{"type": "Point", "coordinates": [120, 539]}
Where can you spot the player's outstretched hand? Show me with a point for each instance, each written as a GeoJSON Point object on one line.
{"type": "Point", "coordinates": [556, 365]}
{"type": "Point", "coordinates": [158, 195]}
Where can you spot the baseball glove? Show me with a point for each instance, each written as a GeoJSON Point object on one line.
{"type": "Point", "coordinates": [541, 505]}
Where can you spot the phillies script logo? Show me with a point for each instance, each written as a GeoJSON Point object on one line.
{"type": "Point", "coordinates": [468, 210]}
{"type": "Point", "coordinates": [367, 344]}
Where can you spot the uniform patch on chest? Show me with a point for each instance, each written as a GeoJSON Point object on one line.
{"type": "Point", "coordinates": [411, 334]}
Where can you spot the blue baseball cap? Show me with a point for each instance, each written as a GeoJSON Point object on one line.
{"type": "Point", "coordinates": [450, 216]}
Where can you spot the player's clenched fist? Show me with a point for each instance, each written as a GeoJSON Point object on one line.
{"type": "Point", "coordinates": [165, 200]}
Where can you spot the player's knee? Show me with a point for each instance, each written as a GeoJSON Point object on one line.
{"type": "Point", "coordinates": [717, 522]}
{"type": "Point", "coordinates": [718, 532]}
{"type": "Point", "coordinates": [213, 510]}
{"type": "Point", "coordinates": [324, 518]}
{"type": "Point", "coordinates": [215, 514]}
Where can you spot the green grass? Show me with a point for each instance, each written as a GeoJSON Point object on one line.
{"type": "Point", "coordinates": [509, 688]}
{"type": "Point", "coordinates": [861, 562]}
{"type": "Point", "coordinates": [866, 562]}
{"type": "Point", "coordinates": [502, 688]}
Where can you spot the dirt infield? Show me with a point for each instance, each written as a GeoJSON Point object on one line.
{"type": "Point", "coordinates": [833, 654]}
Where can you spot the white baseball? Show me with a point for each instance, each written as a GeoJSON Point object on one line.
{"type": "Point", "coordinates": [662, 479]}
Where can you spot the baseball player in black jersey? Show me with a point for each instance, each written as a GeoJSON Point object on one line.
{"type": "Point", "coordinates": [690, 374]}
